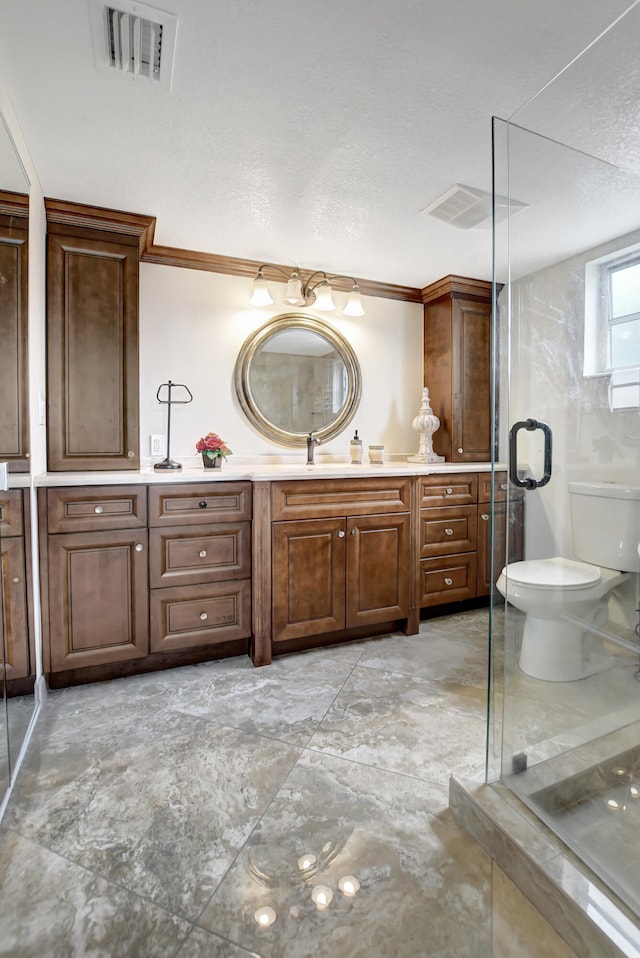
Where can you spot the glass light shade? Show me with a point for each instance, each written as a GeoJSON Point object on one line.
{"type": "Point", "coordinates": [324, 299]}
{"type": "Point", "coordinates": [293, 295]}
{"type": "Point", "coordinates": [260, 295]}
{"type": "Point", "coordinates": [354, 304]}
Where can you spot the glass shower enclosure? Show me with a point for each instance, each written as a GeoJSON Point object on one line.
{"type": "Point", "coordinates": [564, 729]}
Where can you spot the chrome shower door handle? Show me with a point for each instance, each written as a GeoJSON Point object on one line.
{"type": "Point", "coordinates": [530, 425]}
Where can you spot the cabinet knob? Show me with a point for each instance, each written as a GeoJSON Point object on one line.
{"type": "Point", "coordinates": [202, 504]}
{"type": "Point", "coordinates": [448, 491]}
{"type": "Point", "coordinates": [460, 450]}
{"type": "Point", "coordinates": [484, 516]}
{"type": "Point", "coordinates": [341, 534]}
{"type": "Point", "coordinates": [203, 616]}
{"type": "Point", "coordinates": [139, 547]}
{"type": "Point", "coordinates": [15, 579]}
{"type": "Point", "coordinates": [99, 510]}
{"type": "Point", "coordinates": [203, 553]}
{"type": "Point", "coordinates": [353, 532]}
{"type": "Point", "coordinates": [131, 454]}
{"type": "Point", "coordinates": [503, 485]}
{"type": "Point", "coordinates": [448, 532]}
{"type": "Point", "coordinates": [448, 581]}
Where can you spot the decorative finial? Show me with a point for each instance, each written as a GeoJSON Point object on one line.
{"type": "Point", "coordinates": [426, 423]}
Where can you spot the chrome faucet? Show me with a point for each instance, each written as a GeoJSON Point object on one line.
{"type": "Point", "coordinates": [312, 442]}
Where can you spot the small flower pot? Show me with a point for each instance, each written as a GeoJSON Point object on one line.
{"type": "Point", "coordinates": [215, 463]}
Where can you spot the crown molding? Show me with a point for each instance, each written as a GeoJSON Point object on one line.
{"type": "Point", "coordinates": [81, 216]}
{"type": "Point", "coordinates": [456, 285]}
{"type": "Point", "coordinates": [14, 204]}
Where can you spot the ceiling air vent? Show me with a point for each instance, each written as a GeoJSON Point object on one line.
{"type": "Point", "coordinates": [467, 208]}
{"type": "Point", "coordinates": [134, 39]}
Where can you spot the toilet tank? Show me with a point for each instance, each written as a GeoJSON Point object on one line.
{"type": "Point", "coordinates": [605, 519]}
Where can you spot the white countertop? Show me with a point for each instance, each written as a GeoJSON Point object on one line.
{"type": "Point", "coordinates": [252, 472]}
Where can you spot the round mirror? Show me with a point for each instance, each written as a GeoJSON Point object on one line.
{"type": "Point", "coordinates": [296, 375]}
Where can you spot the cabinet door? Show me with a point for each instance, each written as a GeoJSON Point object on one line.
{"type": "Point", "coordinates": [308, 562]}
{"type": "Point", "coordinates": [98, 604]}
{"type": "Point", "coordinates": [14, 421]}
{"type": "Point", "coordinates": [92, 354]}
{"type": "Point", "coordinates": [13, 618]}
{"type": "Point", "coordinates": [378, 569]}
{"type": "Point", "coordinates": [505, 532]}
{"type": "Point", "coordinates": [190, 617]}
{"type": "Point", "coordinates": [471, 366]}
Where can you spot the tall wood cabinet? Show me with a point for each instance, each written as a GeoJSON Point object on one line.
{"type": "Point", "coordinates": [457, 366]}
{"type": "Point", "coordinates": [14, 419]}
{"type": "Point", "coordinates": [92, 337]}
{"type": "Point", "coordinates": [15, 596]}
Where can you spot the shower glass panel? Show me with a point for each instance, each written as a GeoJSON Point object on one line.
{"type": "Point", "coordinates": [565, 694]}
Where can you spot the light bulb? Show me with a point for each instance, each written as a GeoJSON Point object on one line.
{"type": "Point", "coordinates": [349, 886]}
{"type": "Point", "coordinates": [322, 896]}
{"type": "Point", "coordinates": [324, 299]}
{"type": "Point", "coordinates": [293, 295]}
{"type": "Point", "coordinates": [306, 861]}
{"type": "Point", "coordinates": [265, 916]}
{"type": "Point", "coordinates": [354, 303]}
{"type": "Point", "coordinates": [260, 295]}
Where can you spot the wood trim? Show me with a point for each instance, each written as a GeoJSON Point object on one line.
{"type": "Point", "coordinates": [456, 286]}
{"type": "Point", "coordinates": [14, 204]}
{"type": "Point", "coordinates": [67, 214]}
{"type": "Point", "coordinates": [260, 648]}
{"type": "Point", "coordinates": [232, 266]}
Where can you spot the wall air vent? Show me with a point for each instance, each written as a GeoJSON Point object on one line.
{"type": "Point", "coordinates": [134, 39]}
{"type": "Point", "coordinates": [468, 208]}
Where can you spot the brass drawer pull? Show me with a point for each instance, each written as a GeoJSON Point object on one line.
{"type": "Point", "coordinates": [202, 504]}
{"type": "Point", "coordinates": [484, 516]}
{"type": "Point", "coordinates": [203, 616]}
{"type": "Point", "coordinates": [203, 553]}
{"type": "Point", "coordinates": [99, 510]}
{"type": "Point", "coordinates": [448, 581]}
{"type": "Point", "coordinates": [448, 532]}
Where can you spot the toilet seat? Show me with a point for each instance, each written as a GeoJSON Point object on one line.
{"type": "Point", "coordinates": [556, 573]}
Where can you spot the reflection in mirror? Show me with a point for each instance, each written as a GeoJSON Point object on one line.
{"type": "Point", "coordinates": [17, 682]}
{"type": "Point", "coordinates": [297, 375]}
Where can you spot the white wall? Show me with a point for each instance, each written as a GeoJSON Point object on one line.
{"type": "Point", "coordinates": [547, 383]}
{"type": "Point", "coordinates": [192, 326]}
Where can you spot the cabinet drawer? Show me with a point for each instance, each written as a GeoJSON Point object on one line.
{"type": "Point", "coordinates": [313, 499]}
{"type": "Point", "coordinates": [200, 615]}
{"type": "Point", "coordinates": [93, 508]}
{"type": "Point", "coordinates": [11, 513]}
{"type": "Point", "coordinates": [447, 579]}
{"type": "Point", "coordinates": [201, 554]}
{"type": "Point", "coordinates": [199, 503]}
{"type": "Point", "coordinates": [448, 531]}
{"type": "Point", "coordinates": [449, 489]}
{"type": "Point", "coordinates": [500, 486]}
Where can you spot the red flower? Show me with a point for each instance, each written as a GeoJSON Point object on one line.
{"type": "Point", "coordinates": [213, 445]}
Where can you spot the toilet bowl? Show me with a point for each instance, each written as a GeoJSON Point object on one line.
{"type": "Point", "coordinates": [565, 601]}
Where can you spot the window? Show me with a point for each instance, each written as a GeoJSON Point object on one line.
{"type": "Point", "coordinates": [612, 314]}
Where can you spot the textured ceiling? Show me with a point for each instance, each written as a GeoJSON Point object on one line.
{"type": "Point", "coordinates": [314, 134]}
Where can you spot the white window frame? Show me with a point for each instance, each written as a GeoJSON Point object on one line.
{"type": "Point", "coordinates": [597, 314]}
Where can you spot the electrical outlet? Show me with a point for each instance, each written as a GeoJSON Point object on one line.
{"type": "Point", "coordinates": [157, 445]}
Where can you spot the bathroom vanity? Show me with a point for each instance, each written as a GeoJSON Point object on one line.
{"type": "Point", "coordinates": [144, 572]}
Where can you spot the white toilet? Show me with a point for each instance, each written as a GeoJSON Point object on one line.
{"type": "Point", "coordinates": [559, 596]}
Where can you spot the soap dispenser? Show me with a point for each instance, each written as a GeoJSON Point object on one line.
{"type": "Point", "coordinates": [355, 450]}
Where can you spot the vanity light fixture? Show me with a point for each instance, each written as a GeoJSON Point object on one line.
{"type": "Point", "coordinates": [316, 291]}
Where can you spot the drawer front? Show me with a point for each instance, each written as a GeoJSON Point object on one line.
{"type": "Point", "coordinates": [333, 498]}
{"type": "Point", "coordinates": [199, 554]}
{"type": "Point", "coordinates": [11, 513]}
{"type": "Point", "coordinates": [94, 508]}
{"type": "Point", "coordinates": [200, 615]}
{"type": "Point", "coordinates": [447, 579]}
{"type": "Point", "coordinates": [448, 531]}
{"type": "Point", "coordinates": [448, 490]}
{"type": "Point", "coordinates": [500, 485]}
{"type": "Point", "coordinates": [199, 503]}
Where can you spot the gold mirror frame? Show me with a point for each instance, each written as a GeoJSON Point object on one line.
{"type": "Point", "coordinates": [250, 406]}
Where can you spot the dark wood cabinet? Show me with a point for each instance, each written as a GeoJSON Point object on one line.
{"type": "Point", "coordinates": [92, 337]}
{"type": "Point", "coordinates": [200, 565]}
{"type": "Point", "coordinates": [15, 594]}
{"type": "Point", "coordinates": [333, 570]}
{"type": "Point", "coordinates": [457, 366]}
{"type": "Point", "coordinates": [14, 418]}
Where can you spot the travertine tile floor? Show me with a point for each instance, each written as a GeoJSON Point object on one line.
{"type": "Point", "coordinates": [155, 815]}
